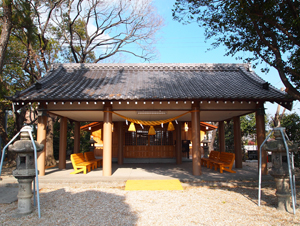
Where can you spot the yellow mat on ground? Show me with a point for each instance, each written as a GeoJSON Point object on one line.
{"type": "Point", "coordinates": [153, 185]}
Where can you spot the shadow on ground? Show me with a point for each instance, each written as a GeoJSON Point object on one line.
{"type": "Point", "coordinates": [184, 172]}
{"type": "Point", "coordinates": [74, 207]}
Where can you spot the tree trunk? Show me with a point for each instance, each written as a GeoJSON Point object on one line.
{"type": "Point", "coordinates": [213, 137]}
{"type": "Point", "coordinates": [277, 116]}
{"type": "Point", "coordinates": [2, 124]}
{"type": "Point", "coordinates": [50, 160]}
{"type": "Point", "coordinates": [6, 29]}
{"type": "Point", "coordinates": [20, 119]}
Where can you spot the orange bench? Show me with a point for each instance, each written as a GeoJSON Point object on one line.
{"type": "Point", "coordinates": [224, 162]}
{"type": "Point", "coordinates": [89, 156]}
{"type": "Point", "coordinates": [80, 165]}
{"type": "Point", "coordinates": [214, 155]}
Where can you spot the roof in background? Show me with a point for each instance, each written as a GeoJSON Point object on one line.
{"type": "Point", "coordinates": [83, 82]}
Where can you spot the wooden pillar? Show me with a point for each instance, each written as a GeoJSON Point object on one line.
{"type": "Point", "coordinates": [196, 140]}
{"type": "Point", "coordinates": [221, 136]}
{"type": "Point", "coordinates": [237, 142]}
{"type": "Point", "coordinates": [178, 147]}
{"type": "Point", "coordinates": [120, 142]}
{"type": "Point", "coordinates": [107, 142]}
{"type": "Point", "coordinates": [63, 143]}
{"type": "Point", "coordinates": [41, 138]}
{"type": "Point", "coordinates": [261, 136]}
{"type": "Point", "coordinates": [77, 137]}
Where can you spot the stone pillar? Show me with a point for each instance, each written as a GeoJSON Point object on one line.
{"type": "Point", "coordinates": [41, 138]}
{"type": "Point", "coordinates": [196, 140]}
{"type": "Point", "coordinates": [24, 196]}
{"type": "Point", "coordinates": [221, 136]}
{"type": "Point", "coordinates": [261, 136]}
{"type": "Point", "coordinates": [120, 142]}
{"type": "Point", "coordinates": [280, 167]}
{"type": "Point", "coordinates": [107, 142]}
{"type": "Point", "coordinates": [237, 142]}
{"type": "Point", "coordinates": [178, 146]}
{"type": "Point", "coordinates": [77, 137]}
{"type": "Point", "coordinates": [63, 143]}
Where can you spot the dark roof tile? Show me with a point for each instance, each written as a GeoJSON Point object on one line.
{"type": "Point", "coordinates": [150, 81]}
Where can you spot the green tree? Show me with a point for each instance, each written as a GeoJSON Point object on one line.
{"type": "Point", "coordinates": [291, 122]}
{"type": "Point", "coordinates": [55, 31]}
{"type": "Point", "coordinates": [269, 29]}
{"type": "Point", "coordinates": [248, 129]}
{"type": "Point", "coordinates": [27, 51]}
{"type": "Point", "coordinates": [248, 125]}
{"type": "Point", "coordinates": [6, 21]}
{"type": "Point", "coordinates": [28, 55]}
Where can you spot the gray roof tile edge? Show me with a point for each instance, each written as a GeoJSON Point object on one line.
{"type": "Point", "coordinates": [52, 72]}
{"type": "Point", "coordinates": [152, 66]}
{"type": "Point", "coordinates": [259, 80]}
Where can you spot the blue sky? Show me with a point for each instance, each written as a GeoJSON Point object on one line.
{"type": "Point", "coordinates": [186, 44]}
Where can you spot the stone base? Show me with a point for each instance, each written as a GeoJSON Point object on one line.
{"type": "Point", "coordinates": [24, 196]}
{"type": "Point", "coordinates": [283, 194]}
{"type": "Point", "coordinates": [284, 202]}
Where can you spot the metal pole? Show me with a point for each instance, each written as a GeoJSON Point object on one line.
{"type": "Point", "coordinates": [36, 173]}
{"type": "Point", "coordinates": [3, 151]}
{"type": "Point", "coordinates": [34, 198]}
{"type": "Point", "coordinates": [259, 170]}
{"type": "Point", "coordinates": [290, 171]}
{"type": "Point", "coordinates": [294, 179]}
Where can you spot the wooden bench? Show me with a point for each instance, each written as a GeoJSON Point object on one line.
{"type": "Point", "coordinates": [90, 156]}
{"type": "Point", "coordinates": [214, 155]}
{"type": "Point", "coordinates": [224, 162]}
{"type": "Point", "coordinates": [80, 165]}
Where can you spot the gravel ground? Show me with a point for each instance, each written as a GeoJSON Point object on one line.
{"type": "Point", "coordinates": [110, 204]}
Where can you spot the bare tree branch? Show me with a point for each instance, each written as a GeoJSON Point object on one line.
{"type": "Point", "coordinates": [112, 25]}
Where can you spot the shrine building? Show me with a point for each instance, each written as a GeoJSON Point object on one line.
{"type": "Point", "coordinates": [144, 111]}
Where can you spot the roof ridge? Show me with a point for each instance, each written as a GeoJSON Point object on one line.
{"type": "Point", "coordinates": [154, 66]}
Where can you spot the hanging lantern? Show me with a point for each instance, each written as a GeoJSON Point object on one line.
{"type": "Point", "coordinates": [186, 127]}
{"type": "Point", "coordinates": [131, 127]}
{"type": "Point", "coordinates": [151, 131]}
{"type": "Point", "coordinates": [171, 127]}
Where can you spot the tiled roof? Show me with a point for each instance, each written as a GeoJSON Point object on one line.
{"type": "Point", "coordinates": [151, 81]}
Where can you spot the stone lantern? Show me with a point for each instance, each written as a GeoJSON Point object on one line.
{"type": "Point", "coordinates": [205, 147]}
{"type": "Point", "coordinates": [92, 143]}
{"type": "Point", "coordinates": [25, 169]}
{"type": "Point", "coordinates": [280, 168]}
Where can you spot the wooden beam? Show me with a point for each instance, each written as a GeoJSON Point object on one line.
{"type": "Point", "coordinates": [41, 138]}
{"type": "Point", "coordinates": [63, 143]}
{"type": "Point", "coordinates": [178, 146]}
{"type": "Point", "coordinates": [196, 139]}
{"type": "Point", "coordinates": [120, 142]}
{"type": "Point", "coordinates": [77, 137]}
{"type": "Point", "coordinates": [107, 141]}
{"type": "Point", "coordinates": [237, 142]}
{"type": "Point", "coordinates": [221, 136]}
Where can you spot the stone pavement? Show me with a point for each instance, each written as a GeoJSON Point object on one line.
{"type": "Point", "coordinates": [155, 171]}
{"type": "Point", "coordinates": [247, 176]}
